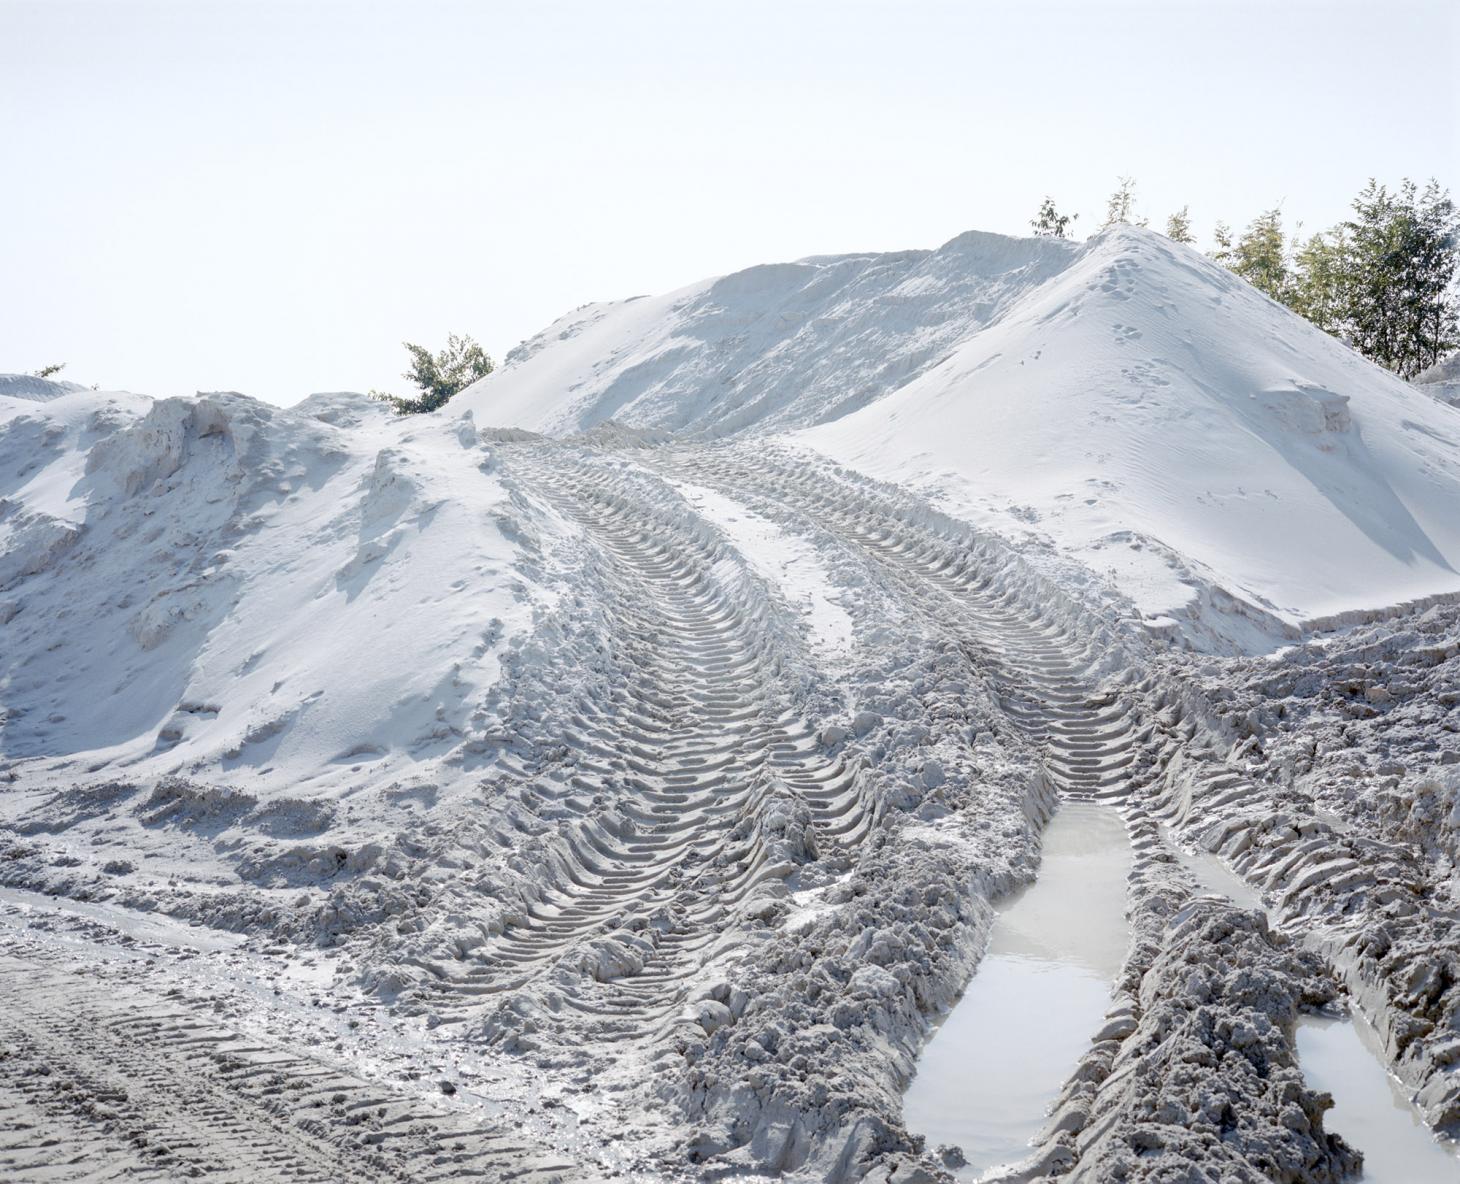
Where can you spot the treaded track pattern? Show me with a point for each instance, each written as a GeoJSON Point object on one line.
{"type": "Point", "coordinates": [703, 739]}
{"type": "Point", "coordinates": [103, 1081]}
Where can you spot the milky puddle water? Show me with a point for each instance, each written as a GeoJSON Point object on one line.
{"type": "Point", "coordinates": [1345, 1057]}
{"type": "Point", "coordinates": [1370, 1108]}
{"type": "Point", "coordinates": [989, 1074]}
{"type": "Point", "coordinates": [1213, 876]}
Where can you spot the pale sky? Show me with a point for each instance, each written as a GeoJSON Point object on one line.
{"type": "Point", "coordinates": [268, 197]}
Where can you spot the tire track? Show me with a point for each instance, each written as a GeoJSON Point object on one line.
{"type": "Point", "coordinates": [1046, 673]}
{"type": "Point", "coordinates": [1144, 747]}
{"type": "Point", "coordinates": [101, 1080]}
{"type": "Point", "coordinates": [703, 759]}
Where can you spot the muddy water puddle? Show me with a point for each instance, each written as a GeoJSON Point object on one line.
{"type": "Point", "coordinates": [995, 1065]}
{"type": "Point", "coordinates": [1344, 1057]}
{"type": "Point", "coordinates": [1371, 1109]}
{"type": "Point", "coordinates": [1214, 877]}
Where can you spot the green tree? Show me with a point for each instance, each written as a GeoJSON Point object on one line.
{"type": "Point", "coordinates": [1322, 272]}
{"type": "Point", "coordinates": [47, 371]}
{"type": "Point", "coordinates": [1260, 256]}
{"type": "Point", "coordinates": [1433, 303]}
{"type": "Point", "coordinates": [1222, 251]}
{"type": "Point", "coordinates": [1050, 223]}
{"type": "Point", "coordinates": [1178, 226]}
{"type": "Point", "coordinates": [1372, 305]}
{"type": "Point", "coordinates": [439, 376]}
{"type": "Point", "coordinates": [1121, 206]}
{"type": "Point", "coordinates": [1384, 281]}
{"type": "Point", "coordinates": [1402, 309]}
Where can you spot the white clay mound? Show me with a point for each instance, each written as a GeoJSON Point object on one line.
{"type": "Point", "coordinates": [1232, 470]}
{"type": "Point", "coordinates": [217, 584]}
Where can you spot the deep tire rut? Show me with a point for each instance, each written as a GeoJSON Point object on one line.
{"type": "Point", "coordinates": [104, 1081]}
{"type": "Point", "coordinates": [1089, 738]}
{"type": "Point", "coordinates": [704, 747]}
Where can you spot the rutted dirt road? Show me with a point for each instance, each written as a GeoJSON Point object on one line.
{"type": "Point", "coordinates": [108, 1072]}
{"type": "Point", "coordinates": [709, 886]}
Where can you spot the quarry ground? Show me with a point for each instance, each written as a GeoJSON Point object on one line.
{"type": "Point", "coordinates": [688, 890]}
